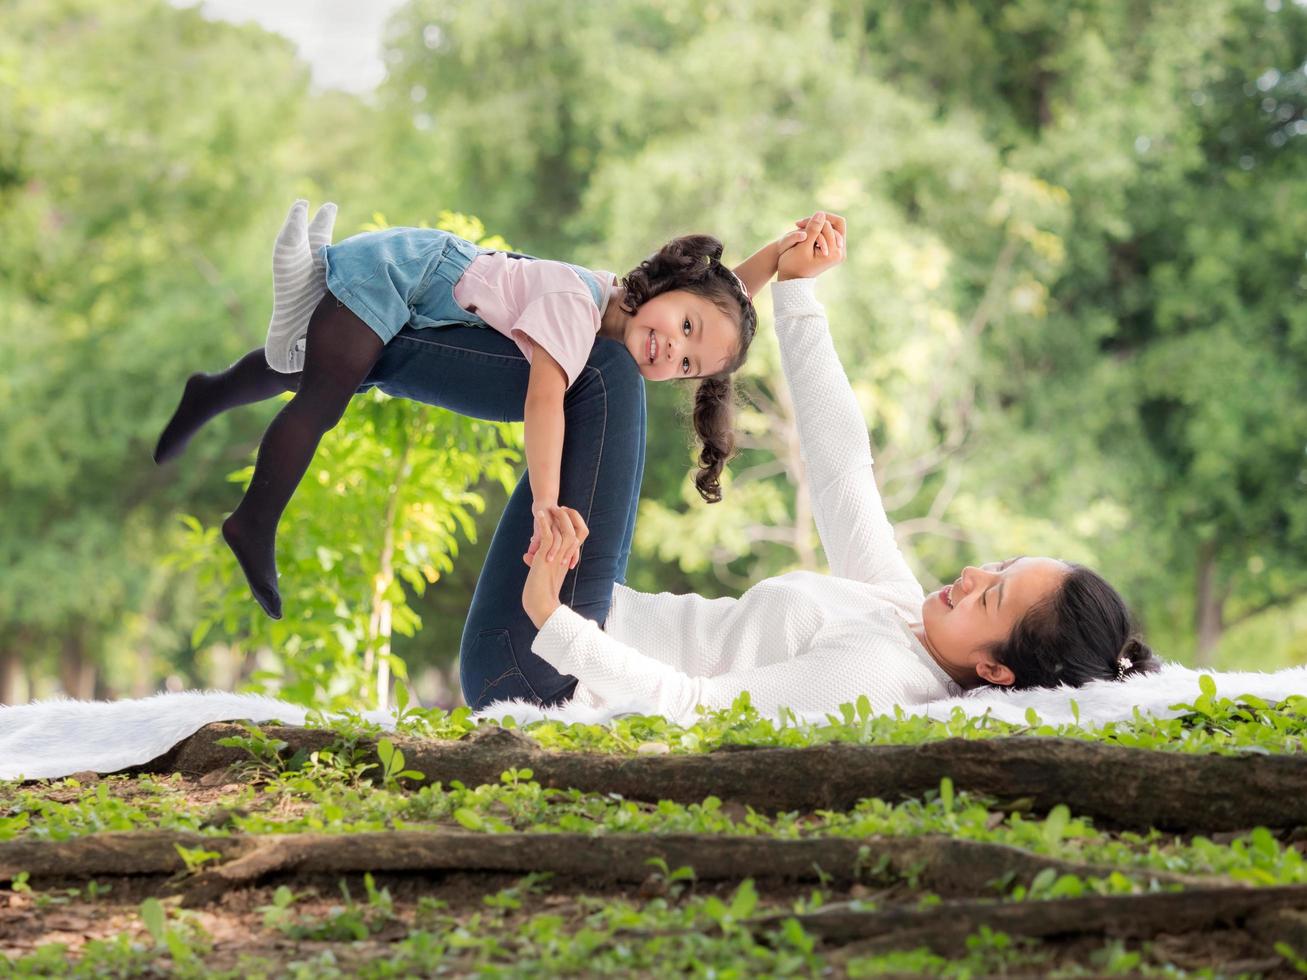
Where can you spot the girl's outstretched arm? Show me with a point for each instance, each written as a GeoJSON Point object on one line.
{"type": "Point", "coordinates": [543, 424]}
{"type": "Point", "coordinates": [756, 271]}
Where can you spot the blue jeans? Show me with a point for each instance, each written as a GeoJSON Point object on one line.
{"type": "Point", "coordinates": [479, 372]}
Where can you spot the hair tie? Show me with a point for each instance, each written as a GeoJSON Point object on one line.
{"type": "Point", "coordinates": [744, 290]}
{"type": "Point", "coordinates": [740, 282]}
{"type": "Point", "coordinates": [1122, 665]}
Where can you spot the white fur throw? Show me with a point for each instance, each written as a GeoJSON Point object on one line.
{"type": "Point", "coordinates": [1098, 702]}
{"type": "Point", "coordinates": [50, 739]}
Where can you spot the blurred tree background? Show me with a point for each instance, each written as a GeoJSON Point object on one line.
{"type": "Point", "coordinates": [1073, 308]}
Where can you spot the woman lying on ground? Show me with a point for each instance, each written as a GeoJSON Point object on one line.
{"type": "Point", "coordinates": [803, 640]}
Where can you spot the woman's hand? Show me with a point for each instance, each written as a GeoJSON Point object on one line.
{"type": "Point", "coordinates": [822, 249]}
{"type": "Point", "coordinates": [553, 512]}
{"type": "Point", "coordinates": [561, 531]}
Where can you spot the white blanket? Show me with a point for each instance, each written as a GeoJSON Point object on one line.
{"type": "Point", "coordinates": [50, 739]}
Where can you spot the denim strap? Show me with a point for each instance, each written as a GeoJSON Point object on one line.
{"type": "Point", "coordinates": [591, 280]}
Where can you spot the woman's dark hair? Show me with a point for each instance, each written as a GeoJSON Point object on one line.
{"type": "Point", "coordinates": [694, 263]}
{"type": "Point", "coordinates": [1080, 632]}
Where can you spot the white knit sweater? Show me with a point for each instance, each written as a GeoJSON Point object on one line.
{"type": "Point", "coordinates": [804, 640]}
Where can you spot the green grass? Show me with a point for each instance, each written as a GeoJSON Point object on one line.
{"type": "Point", "coordinates": [682, 931]}
{"type": "Point", "coordinates": [1209, 723]}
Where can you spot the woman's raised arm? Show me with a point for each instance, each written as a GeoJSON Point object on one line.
{"type": "Point", "coordinates": [850, 517]}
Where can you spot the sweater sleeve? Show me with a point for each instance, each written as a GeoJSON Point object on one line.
{"type": "Point", "coordinates": [818, 681]}
{"type": "Point", "coordinates": [851, 520]}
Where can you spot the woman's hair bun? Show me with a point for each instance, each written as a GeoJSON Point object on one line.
{"type": "Point", "coordinates": [1136, 657]}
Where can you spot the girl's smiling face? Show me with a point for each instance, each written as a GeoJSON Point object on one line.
{"type": "Point", "coordinates": [679, 334]}
{"type": "Point", "coordinates": [965, 618]}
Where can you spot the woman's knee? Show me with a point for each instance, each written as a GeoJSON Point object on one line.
{"type": "Point", "coordinates": [615, 363]}
{"type": "Point", "coordinates": [612, 371]}
{"type": "Point", "coordinates": [496, 665]}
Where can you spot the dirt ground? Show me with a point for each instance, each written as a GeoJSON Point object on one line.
{"type": "Point", "coordinates": [239, 928]}
{"type": "Point", "coordinates": [236, 931]}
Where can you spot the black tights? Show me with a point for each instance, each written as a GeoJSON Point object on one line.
{"type": "Point", "coordinates": [341, 350]}
{"type": "Point", "coordinates": [206, 396]}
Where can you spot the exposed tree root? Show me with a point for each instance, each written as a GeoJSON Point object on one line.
{"type": "Point", "coordinates": [1118, 786]}
{"type": "Point", "coordinates": [137, 852]}
{"type": "Point", "coordinates": [940, 864]}
{"type": "Point", "coordinates": [944, 928]}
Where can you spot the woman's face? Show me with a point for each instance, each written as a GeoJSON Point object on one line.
{"type": "Point", "coordinates": [679, 334]}
{"type": "Point", "coordinates": [963, 619]}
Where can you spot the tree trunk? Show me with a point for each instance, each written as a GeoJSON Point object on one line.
{"type": "Point", "coordinates": [76, 672]}
{"type": "Point", "coordinates": [379, 627]}
{"type": "Point", "coordinates": [13, 686]}
{"type": "Point", "coordinates": [140, 682]}
{"type": "Point", "coordinates": [1209, 606]}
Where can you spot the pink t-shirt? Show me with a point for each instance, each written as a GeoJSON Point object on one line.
{"type": "Point", "coordinates": [535, 301]}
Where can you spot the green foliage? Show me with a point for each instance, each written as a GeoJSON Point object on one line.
{"type": "Point", "coordinates": [988, 953]}
{"type": "Point", "coordinates": [614, 937]}
{"type": "Point", "coordinates": [127, 151]}
{"type": "Point", "coordinates": [1244, 724]}
{"type": "Point", "coordinates": [343, 923]}
{"type": "Point", "coordinates": [379, 517]}
{"type": "Point", "coordinates": [392, 764]}
{"type": "Point", "coordinates": [181, 942]}
{"type": "Point", "coordinates": [277, 915]}
{"type": "Point", "coordinates": [1072, 310]}
{"type": "Point", "coordinates": [333, 801]}
{"type": "Point", "coordinates": [1051, 302]}
{"type": "Point", "coordinates": [676, 881]}
{"type": "Point", "coordinates": [1292, 957]}
{"type": "Point", "coordinates": [195, 858]}
{"type": "Point", "coordinates": [265, 751]}
{"type": "Point", "coordinates": [687, 927]}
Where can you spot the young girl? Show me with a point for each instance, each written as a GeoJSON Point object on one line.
{"type": "Point", "coordinates": [680, 314]}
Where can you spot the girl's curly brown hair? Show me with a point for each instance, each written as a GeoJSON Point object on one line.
{"type": "Point", "coordinates": [694, 263]}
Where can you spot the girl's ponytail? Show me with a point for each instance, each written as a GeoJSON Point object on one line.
{"type": "Point", "coordinates": [714, 415]}
{"type": "Point", "coordinates": [694, 263]}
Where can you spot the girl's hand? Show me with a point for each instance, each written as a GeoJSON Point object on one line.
{"type": "Point", "coordinates": [561, 536]}
{"type": "Point", "coordinates": [554, 513]}
{"type": "Point", "coordinates": [791, 238]}
{"type": "Point", "coordinates": [822, 249]}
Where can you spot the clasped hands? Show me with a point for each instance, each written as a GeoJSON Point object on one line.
{"type": "Point", "coordinates": [554, 551]}
{"type": "Point", "coordinates": [821, 247]}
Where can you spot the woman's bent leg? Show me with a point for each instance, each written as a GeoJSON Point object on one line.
{"type": "Point", "coordinates": [603, 456]}
{"type": "Point", "coordinates": [340, 352]}
{"type": "Point", "coordinates": [480, 373]}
